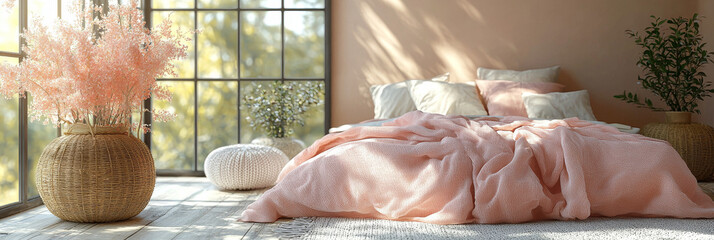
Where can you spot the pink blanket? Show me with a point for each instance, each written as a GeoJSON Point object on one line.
{"type": "Point", "coordinates": [450, 170]}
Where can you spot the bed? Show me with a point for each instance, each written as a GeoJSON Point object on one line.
{"type": "Point", "coordinates": [461, 168]}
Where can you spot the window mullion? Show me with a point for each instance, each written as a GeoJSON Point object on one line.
{"type": "Point", "coordinates": [327, 63]}
{"type": "Point", "coordinates": [147, 103]}
{"type": "Point", "coordinates": [23, 119]}
{"type": "Point", "coordinates": [195, 89]}
{"type": "Point", "coordinates": [282, 40]}
{"type": "Point", "coordinates": [240, 28]}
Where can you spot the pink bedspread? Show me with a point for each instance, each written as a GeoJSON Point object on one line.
{"type": "Point", "coordinates": [450, 170]}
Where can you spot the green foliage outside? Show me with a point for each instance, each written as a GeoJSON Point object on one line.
{"type": "Point", "coordinates": [673, 54]}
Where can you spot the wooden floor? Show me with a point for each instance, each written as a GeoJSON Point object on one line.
{"type": "Point", "coordinates": [181, 208]}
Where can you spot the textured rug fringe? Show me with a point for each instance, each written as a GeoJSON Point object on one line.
{"type": "Point", "coordinates": [296, 228]}
{"type": "Point", "coordinates": [318, 228]}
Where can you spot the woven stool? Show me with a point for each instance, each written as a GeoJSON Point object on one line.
{"type": "Point", "coordinates": [693, 141]}
{"type": "Point", "coordinates": [244, 166]}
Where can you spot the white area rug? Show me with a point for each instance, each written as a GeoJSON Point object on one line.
{"type": "Point", "coordinates": [596, 228]}
{"type": "Point", "coordinates": [593, 228]}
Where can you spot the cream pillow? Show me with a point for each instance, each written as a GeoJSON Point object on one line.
{"type": "Point", "coordinates": [534, 75]}
{"type": "Point", "coordinates": [445, 98]}
{"type": "Point", "coordinates": [559, 105]}
{"type": "Point", "coordinates": [392, 100]}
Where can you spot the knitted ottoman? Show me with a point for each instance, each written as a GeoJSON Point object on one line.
{"type": "Point", "coordinates": [244, 166]}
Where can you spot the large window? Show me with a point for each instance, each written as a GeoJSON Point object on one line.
{"type": "Point", "coordinates": [240, 44]}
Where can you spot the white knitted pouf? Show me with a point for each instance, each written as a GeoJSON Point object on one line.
{"type": "Point", "coordinates": [244, 166]}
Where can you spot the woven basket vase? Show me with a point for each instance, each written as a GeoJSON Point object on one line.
{"type": "Point", "coordinates": [105, 177]}
{"type": "Point", "coordinates": [693, 141]}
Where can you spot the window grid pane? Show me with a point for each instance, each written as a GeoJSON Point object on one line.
{"type": "Point", "coordinates": [260, 44]}
{"type": "Point", "coordinates": [39, 135]}
{"type": "Point", "coordinates": [217, 117]}
{"type": "Point", "coordinates": [260, 3]}
{"type": "Point", "coordinates": [304, 3]}
{"type": "Point", "coordinates": [10, 31]}
{"type": "Point", "coordinates": [172, 143]}
{"type": "Point", "coordinates": [305, 44]}
{"type": "Point", "coordinates": [45, 10]}
{"type": "Point", "coordinates": [225, 70]}
{"type": "Point", "coordinates": [9, 153]}
{"type": "Point", "coordinates": [217, 4]}
{"type": "Point", "coordinates": [170, 4]}
{"type": "Point", "coordinates": [218, 44]}
{"type": "Point", "coordinates": [184, 21]}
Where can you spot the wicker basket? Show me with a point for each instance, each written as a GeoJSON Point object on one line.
{"type": "Point", "coordinates": [693, 141]}
{"type": "Point", "coordinates": [105, 177]}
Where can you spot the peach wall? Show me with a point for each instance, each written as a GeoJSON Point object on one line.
{"type": "Point", "coordinates": [382, 41]}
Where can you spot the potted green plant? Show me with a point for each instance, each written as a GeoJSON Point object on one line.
{"type": "Point", "coordinates": [278, 107]}
{"type": "Point", "coordinates": [673, 52]}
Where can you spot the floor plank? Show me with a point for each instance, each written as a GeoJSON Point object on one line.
{"type": "Point", "coordinates": [167, 195]}
{"type": "Point", "coordinates": [30, 226]}
{"type": "Point", "coordinates": [181, 207]}
{"type": "Point", "coordinates": [222, 219]}
{"type": "Point", "coordinates": [175, 220]}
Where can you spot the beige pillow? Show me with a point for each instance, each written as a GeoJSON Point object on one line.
{"type": "Point", "coordinates": [392, 100]}
{"type": "Point", "coordinates": [445, 98]}
{"type": "Point", "coordinates": [534, 75]}
{"type": "Point", "coordinates": [559, 105]}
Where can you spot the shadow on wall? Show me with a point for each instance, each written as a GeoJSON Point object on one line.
{"type": "Point", "coordinates": [384, 41]}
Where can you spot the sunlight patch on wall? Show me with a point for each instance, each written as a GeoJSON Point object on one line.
{"type": "Point", "coordinates": [381, 43]}
{"type": "Point", "coordinates": [460, 66]}
{"type": "Point", "coordinates": [471, 10]}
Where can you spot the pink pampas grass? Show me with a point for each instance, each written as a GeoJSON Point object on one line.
{"type": "Point", "coordinates": [95, 70]}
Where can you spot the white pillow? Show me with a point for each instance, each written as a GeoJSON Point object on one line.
{"type": "Point", "coordinates": [392, 100]}
{"type": "Point", "coordinates": [534, 75]}
{"type": "Point", "coordinates": [559, 105]}
{"type": "Point", "coordinates": [446, 98]}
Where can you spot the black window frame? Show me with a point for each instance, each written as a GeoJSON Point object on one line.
{"type": "Point", "coordinates": [326, 80]}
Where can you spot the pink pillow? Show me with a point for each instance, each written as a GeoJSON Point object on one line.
{"type": "Point", "coordinates": [503, 98]}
